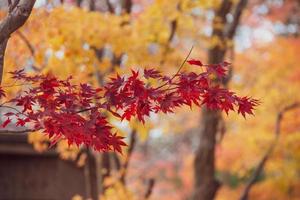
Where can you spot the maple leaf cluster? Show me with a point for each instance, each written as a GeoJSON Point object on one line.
{"type": "Point", "coordinates": [78, 113]}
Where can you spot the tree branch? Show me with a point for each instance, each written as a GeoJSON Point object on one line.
{"type": "Point", "coordinates": [78, 3]}
{"type": "Point", "coordinates": [236, 19]}
{"type": "Point", "coordinates": [17, 131]}
{"type": "Point", "coordinates": [3, 45]}
{"type": "Point", "coordinates": [149, 188]}
{"type": "Point", "coordinates": [31, 49]}
{"type": "Point", "coordinates": [16, 18]}
{"type": "Point", "coordinates": [128, 6]}
{"type": "Point", "coordinates": [12, 5]}
{"type": "Point", "coordinates": [27, 42]}
{"type": "Point", "coordinates": [268, 153]}
{"type": "Point", "coordinates": [110, 7]}
{"type": "Point", "coordinates": [19, 12]}
{"type": "Point", "coordinates": [127, 159]}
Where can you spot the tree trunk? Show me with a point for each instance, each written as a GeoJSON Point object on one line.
{"type": "Point", "coordinates": [2, 53]}
{"type": "Point", "coordinates": [206, 184]}
{"type": "Point", "coordinates": [204, 165]}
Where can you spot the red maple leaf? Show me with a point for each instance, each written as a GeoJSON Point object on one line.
{"type": "Point", "coordinates": [195, 62]}
{"type": "Point", "coordinates": [22, 122]}
{"type": "Point", "coordinates": [117, 142]}
{"type": "Point", "coordinates": [77, 113]}
{"type": "Point", "coordinates": [218, 69]}
{"type": "Point", "coordinates": [246, 105]}
{"type": "Point", "coordinates": [151, 73]}
{"type": "Point", "coordinates": [6, 122]}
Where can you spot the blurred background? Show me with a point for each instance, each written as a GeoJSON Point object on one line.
{"type": "Point", "coordinates": [193, 154]}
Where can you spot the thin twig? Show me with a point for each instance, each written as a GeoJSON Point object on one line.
{"type": "Point", "coordinates": [181, 66]}
{"type": "Point", "coordinates": [18, 131]}
{"type": "Point", "coordinates": [2, 106]}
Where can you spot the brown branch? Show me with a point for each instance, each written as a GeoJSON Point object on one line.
{"type": "Point", "coordinates": [19, 12]}
{"type": "Point", "coordinates": [27, 42]}
{"type": "Point", "coordinates": [167, 46]}
{"type": "Point", "coordinates": [236, 18]}
{"type": "Point", "coordinates": [268, 153]}
{"type": "Point", "coordinates": [231, 31]}
{"type": "Point", "coordinates": [12, 5]}
{"type": "Point", "coordinates": [128, 6]}
{"type": "Point", "coordinates": [78, 3]}
{"type": "Point", "coordinates": [110, 7]}
{"type": "Point", "coordinates": [173, 30]}
{"type": "Point", "coordinates": [31, 49]}
{"type": "Point", "coordinates": [16, 18]}
{"type": "Point", "coordinates": [12, 108]}
{"type": "Point", "coordinates": [3, 45]}
{"type": "Point", "coordinates": [149, 189]}
{"type": "Point", "coordinates": [92, 5]}
{"type": "Point", "coordinates": [18, 131]}
{"type": "Point", "coordinates": [117, 161]}
{"type": "Point", "coordinates": [131, 147]}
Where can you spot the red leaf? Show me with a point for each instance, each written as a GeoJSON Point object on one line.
{"type": "Point", "coordinates": [6, 122]}
{"type": "Point", "coordinates": [78, 113]}
{"type": "Point", "coordinates": [117, 143]}
{"type": "Point", "coordinates": [246, 105]}
{"type": "Point", "coordinates": [151, 73]}
{"type": "Point", "coordinates": [9, 114]}
{"type": "Point", "coordinates": [195, 62]}
{"type": "Point", "coordinates": [218, 69]}
{"type": "Point", "coordinates": [22, 122]}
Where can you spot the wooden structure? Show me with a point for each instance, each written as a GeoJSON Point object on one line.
{"type": "Point", "coordinates": [28, 175]}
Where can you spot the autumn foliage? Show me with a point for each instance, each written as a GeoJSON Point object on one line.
{"type": "Point", "coordinates": [77, 113]}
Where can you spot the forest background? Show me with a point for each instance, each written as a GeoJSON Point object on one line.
{"type": "Point", "coordinates": [192, 154]}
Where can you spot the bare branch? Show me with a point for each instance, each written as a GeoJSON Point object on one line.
{"type": "Point", "coordinates": [31, 49]}
{"type": "Point", "coordinates": [2, 53]}
{"type": "Point", "coordinates": [236, 18]}
{"type": "Point", "coordinates": [149, 188]}
{"type": "Point", "coordinates": [92, 5]}
{"type": "Point", "coordinates": [18, 131]}
{"type": "Point", "coordinates": [27, 42]}
{"type": "Point", "coordinates": [110, 7]}
{"type": "Point", "coordinates": [9, 3]}
{"type": "Point", "coordinates": [268, 153]}
{"type": "Point", "coordinates": [173, 30]}
{"type": "Point", "coordinates": [128, 6]}
{"type": "Point", "coordinates": [12, 108]}
{"type": "Point", "coordinates": [78, 3]}
{"type": "Point", "coordinates": [129, 153]}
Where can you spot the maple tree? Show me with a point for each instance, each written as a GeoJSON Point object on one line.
{"type": "Point", "coordinates": [64, 110]}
